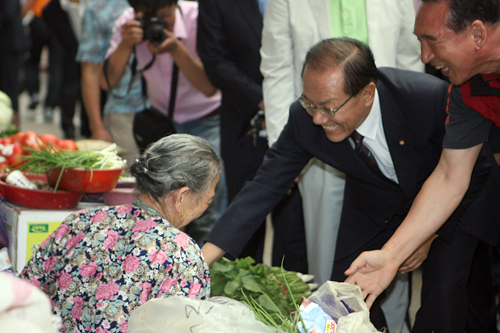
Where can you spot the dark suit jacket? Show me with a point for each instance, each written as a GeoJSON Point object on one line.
{"type": "Point", "coordinates": [413, 114]}
{"type": "Point", "coordinates": [228, 43]}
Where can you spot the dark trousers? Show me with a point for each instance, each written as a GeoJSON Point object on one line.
{"type": "Point", "coordinates": [10, 64]}
{"type": "Point", "coordinates": [40, 36]}
{"type": "Point", "coordinates": [289, 244]}
{"type": "Point", "coordinates": [242, 158]}
{"type": "Point", "coordinates": [457, 293]}
{"type": "Point", "coordinates": [70, 95]}
{"type": "Point", "coordinates": [58, 23]}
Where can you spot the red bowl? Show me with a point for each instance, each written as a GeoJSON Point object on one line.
{"type": "Point", "coordinates": [40, 199]}
{"type": "Point", "coordinates": [85, 180]}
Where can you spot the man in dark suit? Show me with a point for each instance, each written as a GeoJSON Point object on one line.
{"type": "Point", "coordinates": [401, 116]}
{"type": "Point", "coordinates": [228, 43]}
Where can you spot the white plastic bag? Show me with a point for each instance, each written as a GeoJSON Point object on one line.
{"type": "Point", "coordinates": [344, 303]}
{"type": "Point", "coordinates": [182, 314]}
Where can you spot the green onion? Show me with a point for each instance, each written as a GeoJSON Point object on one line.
{"type": "Point", "coordinates": [39, 161]}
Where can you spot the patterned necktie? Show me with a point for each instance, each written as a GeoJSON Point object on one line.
{"type": "Point", "coordinates": [366, 155]}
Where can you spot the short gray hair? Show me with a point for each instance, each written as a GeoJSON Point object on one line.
{"type": "Point", "coordinates": [176, 161]}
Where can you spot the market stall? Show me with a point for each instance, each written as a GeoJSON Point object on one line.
{"type": "Point", "coordinates": [42, 183]}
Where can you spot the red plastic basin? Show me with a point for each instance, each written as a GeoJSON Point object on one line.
{"type": "Point", "coordinates": [85, 180]}
{"type": "Point", "coordinates": [40, 199]}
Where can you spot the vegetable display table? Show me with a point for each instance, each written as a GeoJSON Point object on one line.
{"type": "Point", "coordinates": [27, 227]}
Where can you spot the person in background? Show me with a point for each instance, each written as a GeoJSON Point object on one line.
{"type": "Point", "coordinates": [40, 36]}
{"type": "Point", "coordinates": [384, 128]}
{"type": "Point", "coordinates": [103, 262]}
{"type": "Point", "coordinates": [459, 38]}
{"type": "Point", "coordinates": [13, 43]}
{"type": "Point", "coordinates": [126, 98]}
{"type": "Point", "coordinates": [197, 102]}
{"type": "Point", "coordinates": [63, 18]}
{"type": "Point", "coordinates": [291, 27]}
{"type": "Point", "coordinates": [228, 42]}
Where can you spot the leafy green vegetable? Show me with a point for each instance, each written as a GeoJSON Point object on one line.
{"type": "Point", "coordinates": [271, 292]}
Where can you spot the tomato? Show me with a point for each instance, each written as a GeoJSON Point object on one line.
{"type": "Point", "coordinates": [68, 144]}
{"type": "Point", "coordinates": [4, 166]}
{"type": "Point", "coordinates": [51, 140]}
{"type": "Point", "coordinates": [31, 140]}
{"type": "Point", "coordinates": [5, 141]}
{"type": "Point", "coordinates": [13, 154]}
{"type": "Point", "coordinates": [17, 137]}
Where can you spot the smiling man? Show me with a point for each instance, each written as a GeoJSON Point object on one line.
{"type": "Point", "coordinates": [382, 127]}
{"type": "Point", "coordinates": [461, 38]}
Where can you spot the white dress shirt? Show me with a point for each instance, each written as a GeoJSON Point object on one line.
{"type": "Point", "coordinates": [374, 139]}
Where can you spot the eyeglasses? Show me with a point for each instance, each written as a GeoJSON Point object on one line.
{"type": "Point", "coordinates": [327, 112]}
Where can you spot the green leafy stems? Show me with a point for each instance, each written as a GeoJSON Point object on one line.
{"type": "Point", "coordinates": [46, 158]}
{"type": "Point", "coordinates": [272, 293]}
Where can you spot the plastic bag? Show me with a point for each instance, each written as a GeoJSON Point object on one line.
{"type": "Point", "coordinates": [344, 303]}
{"type": "Point", "coordinates": [24, 307]}
{"type": "Point", "coordinates": [315, 319]}
{"type": "Point", "coordinates": [181, 314]}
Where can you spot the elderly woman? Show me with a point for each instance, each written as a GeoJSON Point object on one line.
{"type": "Point", "coordinates": [104, 262]}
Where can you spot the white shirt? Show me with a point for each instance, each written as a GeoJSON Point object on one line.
{"type": "Point", "coordinates": [374, 139]}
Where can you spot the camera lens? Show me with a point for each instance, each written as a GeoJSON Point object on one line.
{"type": "Point", "coordinates": [155, 34]}
{"type": "Point", "coordinates": [153, 30]}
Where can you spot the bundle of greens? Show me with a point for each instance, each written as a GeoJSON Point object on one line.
{"type": "Point", "coordinates": [45, 158]}
{"type": "Point", "coordinates": [271, 292]}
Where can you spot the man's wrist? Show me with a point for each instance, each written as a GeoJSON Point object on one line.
{"type": "Point", "coordinates": [394, 253]}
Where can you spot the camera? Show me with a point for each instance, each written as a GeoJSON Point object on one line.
{"type": "Point", "coordinates": [153, 27]}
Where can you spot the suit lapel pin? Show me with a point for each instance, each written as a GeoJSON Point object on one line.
{"type": "Point", "coordinates": [401, 142]}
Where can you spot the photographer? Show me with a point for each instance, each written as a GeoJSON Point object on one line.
{"type": "Point", "coordinates": [162, 34]}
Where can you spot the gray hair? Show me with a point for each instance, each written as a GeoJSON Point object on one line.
{"type": "Point", "coordinates": [176, 161]}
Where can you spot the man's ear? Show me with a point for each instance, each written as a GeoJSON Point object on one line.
{"type": "Point", "coordinates": [369, 93]}
{"type": "Point", "coordinates": [479, 33]}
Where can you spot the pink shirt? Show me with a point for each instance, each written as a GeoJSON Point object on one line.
{"type": "Point", "coordinates": [190, 103]}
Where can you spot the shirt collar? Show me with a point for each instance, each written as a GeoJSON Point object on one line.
{"type": "Point", "coordinates": [369, 127]}
{"type": "Point", "coordinates": [180, 30]}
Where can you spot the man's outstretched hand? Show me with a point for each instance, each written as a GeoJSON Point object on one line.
{"type": "Point", "coordinates": [372, 271]}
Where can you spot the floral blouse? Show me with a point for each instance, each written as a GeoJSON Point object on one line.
{"type": "Point", "coordinates": [102, 263]}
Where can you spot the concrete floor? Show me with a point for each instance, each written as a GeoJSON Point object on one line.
{"type": "Point", "coordinates": [32, 120]}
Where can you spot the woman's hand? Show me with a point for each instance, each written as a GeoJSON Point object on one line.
{"type": "Point", "coordinates": [372, 271]}
{"type": "Point", "coordinates": [418, 257]}
{"type": "Point", "coordinates": [211, 252]}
